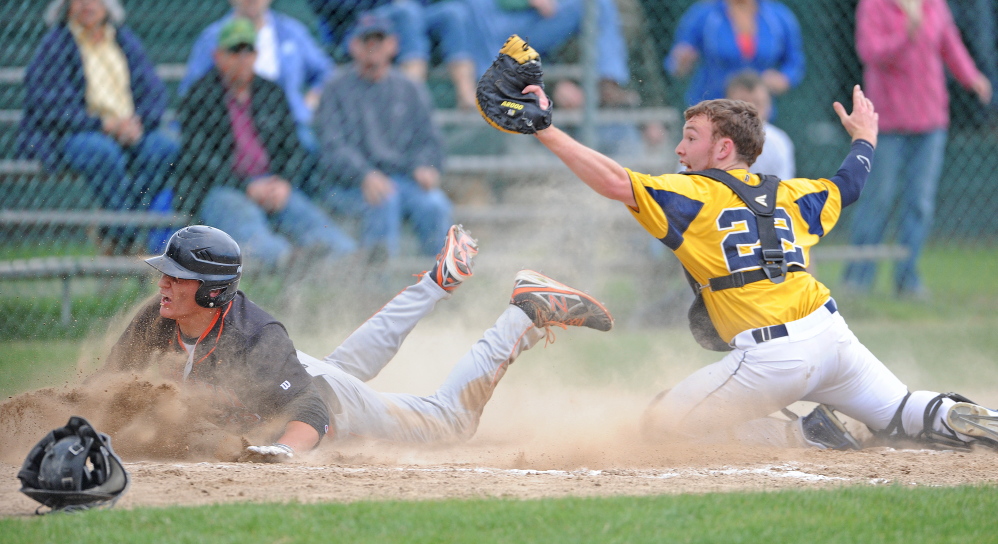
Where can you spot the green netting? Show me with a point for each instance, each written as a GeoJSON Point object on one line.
{"type": "Point", "coordinates": [168, 28]}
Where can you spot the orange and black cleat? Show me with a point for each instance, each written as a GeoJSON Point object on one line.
{"type": "Point", "coordinates": [548, 302]}
{"type": "Point", "coordinates": [454, 262]}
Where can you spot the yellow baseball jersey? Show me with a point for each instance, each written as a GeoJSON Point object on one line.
{"type": "Point", "coordinates": [713, 233]}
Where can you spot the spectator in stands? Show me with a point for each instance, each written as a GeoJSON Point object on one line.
{"type": "Point", "coordinates": [777, 157]}
{"type": "Point", "coordinates": [548, 25]}
{"type": "Point", "coordinates": [380, 153]}
{"type": "Point", "coordinates": [723, 37]}
{"type": "Point", "coordinates": [93, 104]}
{"type": "Point", "coordinates": [240, 157]}
{"type": "Point", "coordinates": [286, 54]}
{"type": "Point", "coordinates": [904, 46]}
{"type": "Point", "coordinates": [415, 23]}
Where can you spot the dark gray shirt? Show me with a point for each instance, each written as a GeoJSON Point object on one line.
{"type": "Point", "coordinates": [384, 125]}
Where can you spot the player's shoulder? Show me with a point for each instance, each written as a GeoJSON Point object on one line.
{"type": "Point", "coordinates": [683, 189]}
{"type": "Point", "coordinates": [248, 319]}
{"type": "Point", "coordinates": [797, 188]}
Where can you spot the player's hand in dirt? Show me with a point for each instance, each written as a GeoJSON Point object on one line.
{"type": "Point", "coordinates": [274, 453]}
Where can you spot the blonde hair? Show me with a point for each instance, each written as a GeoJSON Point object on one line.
{"type": "Point", "coordinates": [57, 12]}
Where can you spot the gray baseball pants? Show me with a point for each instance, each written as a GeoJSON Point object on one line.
{"type": "Point", "coordinates": [452, 412]}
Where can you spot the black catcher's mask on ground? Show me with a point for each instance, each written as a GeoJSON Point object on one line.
{"type": "Point", "coordinates": [205, 254]}
{"type": "Point", "coordinates": [73, 468]}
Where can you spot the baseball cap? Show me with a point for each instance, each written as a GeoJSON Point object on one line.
{"type": "Point", "coordinates": [370, 24]}
{"type": "Point", "coordinates": [236, 32]}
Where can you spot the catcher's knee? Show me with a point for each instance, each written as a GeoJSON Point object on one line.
{"type": "Point", "coordinates": [655, 424]}
{"type": "Point", "coordinates": [663, 421]}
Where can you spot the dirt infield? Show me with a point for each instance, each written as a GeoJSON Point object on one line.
{"type": "Point", "coordinates": [563, 422]}
{"type": "Point", "coordinates": [490, 470]}
{"type": "Point", "coordinates": [173, 460]}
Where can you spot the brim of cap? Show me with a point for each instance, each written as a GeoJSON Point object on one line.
{"type": "Point", "coordinates": [169, 267]}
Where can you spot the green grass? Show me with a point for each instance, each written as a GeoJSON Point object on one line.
{"type": "Point", "coordinates": [27, 365]}
{"type": "Point", "coordinates": [851, 514]}
{"type": "Point", "coordinates": [956, 277]}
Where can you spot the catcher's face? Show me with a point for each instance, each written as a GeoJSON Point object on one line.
{"type": "Point", "coordinates": [698, 149]}
{"type": "Point", "coordinates": [177, 298]}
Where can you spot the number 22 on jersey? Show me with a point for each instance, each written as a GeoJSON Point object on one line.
{"type": "Point", "coordinates": [740, 245]}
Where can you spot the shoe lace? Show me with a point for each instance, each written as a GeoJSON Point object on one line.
{"type": "Point", "coordinates": [549, 336]}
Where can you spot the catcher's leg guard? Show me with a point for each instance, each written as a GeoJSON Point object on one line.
{"type": "Point", "coordinates": [965, 417]}
{"type": "Point", "coordinates": [895, 429]}
{"type": "Point", "coordinates": [948, 438]}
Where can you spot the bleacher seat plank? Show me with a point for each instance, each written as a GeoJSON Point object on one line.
{"type": "Point", "coordinates": [91, 218]}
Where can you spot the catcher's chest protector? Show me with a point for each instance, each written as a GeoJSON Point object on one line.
{"type": "Point", "coordinates": [761, 200]}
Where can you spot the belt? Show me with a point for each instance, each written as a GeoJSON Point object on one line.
{"type": "Point", "coordinates": [773, 332]}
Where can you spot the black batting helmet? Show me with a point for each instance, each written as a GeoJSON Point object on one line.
{"type": "Point", "coordinates": [205, 254]}
{"type": "Point", "coordinates": [73, 468]}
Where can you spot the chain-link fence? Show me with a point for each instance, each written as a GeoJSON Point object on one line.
{"type": "Point", "coordinates": [106, 150]}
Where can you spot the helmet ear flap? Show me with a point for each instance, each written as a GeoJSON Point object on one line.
{"type": "Point", "coordinates": [215, 294]}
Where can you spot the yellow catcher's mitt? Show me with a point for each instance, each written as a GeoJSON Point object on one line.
{"type": "Point", "coordinates": [500, 95]}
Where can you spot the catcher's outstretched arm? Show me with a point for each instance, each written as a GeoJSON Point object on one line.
{"type": "Point", "coordinates": [603, 174]}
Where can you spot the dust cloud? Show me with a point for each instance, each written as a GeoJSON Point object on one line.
{"type": "Point", "coordinates": [546, 410]}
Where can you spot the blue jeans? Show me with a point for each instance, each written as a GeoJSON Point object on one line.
{"type": "Point", "coordinates": [492, 25]}
{"type": "Point", "coordinates": [448, 23]}
{"type": "Point", "coordinates": [911, 163]}
{"type": "Point", "coordinates": [106, 164]}
{"type": "Point", "coordinates": [414, 23]}
{"type": "Point", "coordinates": [429, 212]}
{"type": "Point", "coordinates": [269, 238]}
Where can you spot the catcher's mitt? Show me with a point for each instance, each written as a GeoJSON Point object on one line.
{"type": "Point", "coordinates": [73, 468]}
{"type": "Point", "coordinates": [500, 95]}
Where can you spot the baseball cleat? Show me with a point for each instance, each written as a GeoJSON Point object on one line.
{"type": "Point", "coordinates": [824, 430]}
{"type": "Point", "coordinates": [975, 421]}
{"type": "Point", "coordinates": [454, 262]}
{"type": "Point", "coordinates": [548, 302]}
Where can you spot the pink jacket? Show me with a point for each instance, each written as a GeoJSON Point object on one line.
{"type": "Point", "coordinates": [904, 76]}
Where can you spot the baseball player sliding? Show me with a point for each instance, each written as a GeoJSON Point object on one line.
{"type": "Point", "coordinates": [744, 239]}
{"type": "Point", "coordinates": [206, 333]}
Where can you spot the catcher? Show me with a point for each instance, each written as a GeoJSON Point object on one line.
{"type": "Point", "coordinates": [744, 239]}
{"type": "Point", "coordinates": [205, 333]}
